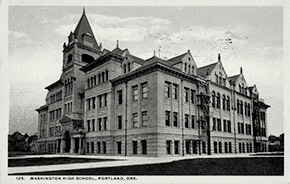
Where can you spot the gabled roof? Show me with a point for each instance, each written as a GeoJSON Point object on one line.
{"type": "Point", "coordinates": [176, 59]}
{"type": "Point", "coordinates": [137, 60]}
{"type": "Point", "coordinates": [83, 27]}
{"type": "Point", "coordinates": [117, 50]}
{"type": "Point", "coordinates": [155, 59]}
{"type": "Point", "coordinates": [251, 88]}
{"type": "Point", "coordinates": [205, 70]}
{"type": "Point", "coordinates": [56, 84]}
{"type": "Point", "coordinates": [234, 78]}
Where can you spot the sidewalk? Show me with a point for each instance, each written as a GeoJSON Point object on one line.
{"type": "Point", "coordinates": [121, 161]}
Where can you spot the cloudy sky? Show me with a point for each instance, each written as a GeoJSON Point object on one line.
{"type": "Point", "coordinates": [36, 36]}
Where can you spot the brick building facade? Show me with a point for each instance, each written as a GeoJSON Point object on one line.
{"type": "Point", "coordinates": [114, 103]}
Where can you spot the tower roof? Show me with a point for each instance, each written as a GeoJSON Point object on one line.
{"type": "Point", "coordinates": [83, 27]}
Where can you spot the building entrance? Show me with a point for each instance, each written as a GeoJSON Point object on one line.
{"type": "Point", "coordinates": [67, 141]}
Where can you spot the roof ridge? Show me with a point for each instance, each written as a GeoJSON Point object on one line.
{"type": "Point", "coordinates": [177, 56]}
{"type": "Point", "coordinates": [207, 65]}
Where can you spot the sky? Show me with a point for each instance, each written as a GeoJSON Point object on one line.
{"type": "Point", "coordinates": [36, 36]}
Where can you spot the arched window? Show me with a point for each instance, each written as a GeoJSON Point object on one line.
{"type": "Point", "coordinates": [224, 102]}
{"type": "Point", "coordinates": [228, 103]}
{"type": "Point", "coordinates": [185, 67]}
{"type": "Point", "coordinates": [124, 68]}
{"type": "Point", "coordinates": [213, 99]}
{"type": "Point", "coordinates": [192, 69]}
{"type": "Point", "coordinates": [218, 100]}
{"type": "Point", "coordinates": [129, 67]}
{"type": "Point", "coordinates": [240, 90]}
{"type": "Point", "coordinates": [246, 109]}
{"type": "Point", "coordinates": [189, 66]}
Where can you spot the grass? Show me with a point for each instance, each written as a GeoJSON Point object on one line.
{"type": "Point", "coordinates": [51, 161]}
{"type": "Point", "coordinates": [203, 166]}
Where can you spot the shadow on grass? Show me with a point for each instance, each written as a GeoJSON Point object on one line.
{"type": "Point", "coordinates": [52, 161]}
{"type": "Point", "coordinates": [203, 166]}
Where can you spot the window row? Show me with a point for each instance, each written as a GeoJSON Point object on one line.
{"type": "Point", "coordinates": [217, 146]}
{"type": "Point", "coordinates": [144, 91]}
{"type": "Point", "coordinates": [242, 147]}
{"type": "Point", "coordinates": [68, 86]}
{"type": "Point", "coordinates": [55, 97]}
{"type": "Point", "coordinates": [191, 147]}
{"type": "Point", "coordinates": [220, 80]}
{"type": "Point", "coordinates": [100, 125]}
{"type": "Point", "coordinates": [68, 108]}
{"type": "Point", "coordinates": [189, 68]}
{"type": "Point", "coordinates": [217, 125]}
{"type": "Point", "coordinates": [143, 147]}
{"type": "Point", "coordinates": [144, 119]}
{"type": "Point", "coordinates": [241, 128]}
{"type": "Point", "coordinates": [171, 90]}
{"type": "Point", "coordinates": [216, 101]}
{"type": "Point", "coordinates": [98, 79]}
{"type": "Point", "coordinates": [240, 108]}
{"type": "Point", "coordinates": [127, 67]}
{"type": "Point", "coordinates": [176, 145]}
{"type": "Point", "coordinates": [55, 114]}
{"type": "Point", "coordinates": [42, 118]}
{"type": "Point", "coordinates": [101, 147]}
{"type": "Point", "coordinates": [91, 103]}
{"type": "Point", "coordinates": [243, 89]}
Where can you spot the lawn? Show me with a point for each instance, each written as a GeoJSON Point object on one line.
{"type": "Point", "coordinates": [51, 161]}
{"type": "Point", "coordinates": [202, 166]}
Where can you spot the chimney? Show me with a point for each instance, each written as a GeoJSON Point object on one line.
{"type": "Point", "coordinates": [241, 70]}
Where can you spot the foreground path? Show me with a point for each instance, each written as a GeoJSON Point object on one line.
{"type": "Point", "coordinates": [118, 162]}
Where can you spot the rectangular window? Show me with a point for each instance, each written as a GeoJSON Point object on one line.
{"type": "Point", "coordinates": [135, 147]}
{"type": "Point", "coordinates": [230, 147]}
{"type": "Point", "coordinates": [167, 118]}
{"type": "Point", "coordinates": [240, 147]}
{"type": "Point", "coordinates": [215, 146]}
{"type": "Point", "coordinates": [176, 147]}
{"type": "Point", "coordinates": [214, 124]}
{"type": "Point", "coordinates": [93, 125]}
{"type": "Point", "coordinates": [144, 147]}
{"type": "Point", "coordinates": [187, 147]}
{"type": "Point", "coordinates": [119, 122]}
{"type": "Point", "coordinates": [226, 147]}
{"type": "Point", "coordinates": [89, 126]}
{"type": "Point", "coordinates": [175, 117]}
{"type": "Point", "coordinates": [144, 119]}
{"type": "Point", "coordinates": [88, 147]}
{"type": "Point", "coordinates": [229, 126]}
{"type": "Point", "coordinates": [167, 89]}
{"type": "Point", "coordinates": [242, 128]}
{"type": "Point", "coordinates": [225, 125]}
{"type": "Point", "coordinates": [220, 147]}
{"type": "Point", "coordinates": [100, 101]}
{"type": "Point", "coordinates": [186, 120]}
{"type": "Point", "coordinates": [105, 100]}
{"type": "Point", "coordinates": [168, 147]}
{"type": "Point", "coordinates": [186, 94]}
{"type": "Point", "coordinates": [135, 120]}
{"type": "Point", "coordinates": [219, 125]}
{"type": "Point", "coordinates": [105, 123]}
{"type": "Point", "coordinates": [100, 124]}
{"type": "Point", "coordinates": [192, 121]}
{"type": "Point", "coordinates": [94, 102]}
{"type": "Point", "coordinates": [104, 148]}
{"type": "Point", "coordinates": [175, 91]}
{"type": "Point", "coordinates": [192, 96]}
{"type": "Point", "coordinates": [92, 147]}
{"type": "Point", "coordinates": [135, 93]}
{"type": "Point", "coordinates": [203, 147]}
{"type": "Point", "coordinates": [119, 147]}
{"type": "Point", "coordinates": [144, 88]}
{"type": "Point", "coordinates": [99, 147]}
{"type": "Point", "coordinates": [120, 97]}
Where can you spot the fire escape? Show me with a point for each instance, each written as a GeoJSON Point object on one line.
{"type": "Point", "coordinates": [203, 120]}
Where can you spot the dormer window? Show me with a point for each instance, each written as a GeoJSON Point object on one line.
{"type": "Point", "coordinates": [192, 69]}
{"type": "Point", "coordinates": [88, 39]}
{"type": "Point", "coordinates": [189, 68]}
{"type": "Point", "coordinates": [129, 67]}
{"type": "Point", "coordinates": [185, 67]}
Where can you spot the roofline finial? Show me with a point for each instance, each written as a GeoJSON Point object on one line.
{"type": "Point", "coordinates": [241, 70]}
{"type": "Point", "coordinates": [219, 57]}
{"type": "Point", "coordinates": [117, 43]}
{"type": "Point", "coordinates": [154, 53]}
{"type": "Point", "coordinates": [84, 10]}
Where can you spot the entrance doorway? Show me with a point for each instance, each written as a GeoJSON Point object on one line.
{"type": "Point", "coordinates": [67, 141]}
